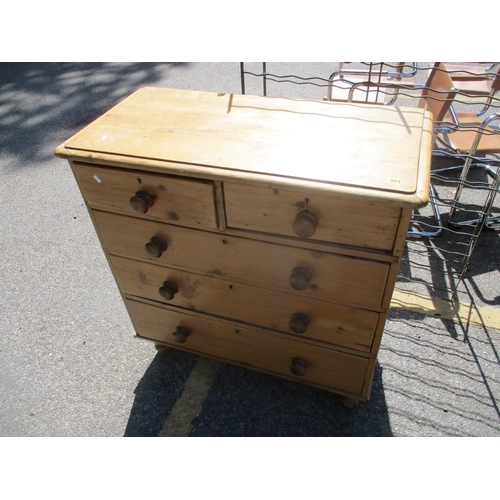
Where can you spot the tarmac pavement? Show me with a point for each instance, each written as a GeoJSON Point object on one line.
{"type": "Point", "coordinates": [69, 363]}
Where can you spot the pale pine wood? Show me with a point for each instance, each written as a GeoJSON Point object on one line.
{"type": "Point", "coordinates": [394, 269]}
{"type": "Point", "coordinates": [240, 274]}
{"type": "Point", "coordinates": [335, 143]}
{"type": "Point", "coordinates": [165, 167]}
{"type": "Point", "coordinates": [330, 323]}
{"type": "Point", "coordinates": [350, 281]}
{"type": "Point", "coordinates": [357, 223]}
{"type": "Point", "coordinates": [424, 172]}
{"type": "Point", "coordinates": [177, 200]}
{"type": "Point", "coordinates": [370, 372]}
{"type": "Point", "coordinates": [404, 226]}
{"type": "Point", "coordinates": [249, 348]}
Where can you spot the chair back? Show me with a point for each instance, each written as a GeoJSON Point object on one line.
{"type": "Point", "coordinates": [376, 71]}
{"type": "Point", "coordinates": [438, 93]}
{"type": "Point", "coordinates": [372, 83]}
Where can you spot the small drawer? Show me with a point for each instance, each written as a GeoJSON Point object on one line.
{"type": "Point", "coordinates": [244, 346]}
{"type": "Point", "coordinates": [159, 197]}
{"type": "Point", "coordinates": [316, 275]}
{"type": "Point", "coordinates": [299, 316]}
{"type": "Point", "coordinates": [317, 216]}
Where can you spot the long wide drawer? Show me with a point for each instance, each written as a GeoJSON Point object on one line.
{"type": "Point", "coordinates": [288, 358]}
{"type": "Point", "coordinates": [159, 197]}
{"type": "Point", "coordinates": [319, 275]}
{"type": "Point", "coordinates": [301, 316]}
{"type": "Point", "coordinates": [317, 216]}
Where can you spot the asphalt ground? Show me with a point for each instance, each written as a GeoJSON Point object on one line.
{"type": "Point", "coordinates": [69, 363]}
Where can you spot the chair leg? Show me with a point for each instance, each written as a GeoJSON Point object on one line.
{"type": "Point", "coordinates": [487, 123]}
{"type": "Point", "coordinates": [488, 205]}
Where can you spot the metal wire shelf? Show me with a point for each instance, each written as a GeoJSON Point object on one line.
{"type": "Point", "coordinates": [443, 235]}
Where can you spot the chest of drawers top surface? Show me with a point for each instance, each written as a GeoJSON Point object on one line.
{"type": "Point", "coordinates": [374, 152]}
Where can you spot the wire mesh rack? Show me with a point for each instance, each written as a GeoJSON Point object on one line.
{"type": "Point", "coordinates": [443, 237]}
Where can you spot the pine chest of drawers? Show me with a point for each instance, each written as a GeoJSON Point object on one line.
{"type": "Point", "coordinates": [260, 231]}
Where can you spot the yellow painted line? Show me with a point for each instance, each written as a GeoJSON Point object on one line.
{"type": "Point", "coordinates": [456, 311]}
{"type": "Point", "coordinates": [180, 421]}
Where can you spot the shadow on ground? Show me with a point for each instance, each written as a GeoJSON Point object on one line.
{"type": "Point", "coordinates": [437, 265]}
{"type": "Point", "coordinates": [42, 104]}
{"type": "Point", "coordinates": [246, 403]}
{"type": "Point", "coordinates": [158, 390]}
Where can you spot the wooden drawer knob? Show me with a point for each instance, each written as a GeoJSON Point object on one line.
{"type": "Point", "coordinates": [298, 366]}
{"type": "Point", "coordinates": [300, 278]}
{"type": "Point", "coordinates": [299, 322]}
{"type": "Point", "coordinates": [305, 224]}
{"type": "Point", "coordinates": [141, 202]}
{"type": "Point", "coordinates": [155, 247]}
{"type": "Point", "coordinates": [168, 290]}
{"type": "Point", "coordinates": [180, 334]}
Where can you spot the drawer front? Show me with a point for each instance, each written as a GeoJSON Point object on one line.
{"type": "Point", "coordinates": [313, 274]}
{"type": "Point", "coordinates": [317, 216]}
{"type": "Point", "coordinates": [247, 347]}
{"type": "Point", "coordinates": [174, 199]}
{"type": "Point", "coordinates": [331, 323]}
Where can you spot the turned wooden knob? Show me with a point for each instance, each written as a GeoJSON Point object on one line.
{"type": "Point", "coordinates": [300, 278]}
{"type": "Point", "coordinates": [141, 202]}
{"type": "Point", "coordinates": [180, 334]}
{"type": "Point", "coordinates": [299, 322]}
{"type": "Point", "coordinates": [168, 290]}
{"type": "Point", "coordinates": [298, 366]}
{"type": "Point", "coordinates": [155, 247]}
{"type": "Point", "coordinates": [305, 224]}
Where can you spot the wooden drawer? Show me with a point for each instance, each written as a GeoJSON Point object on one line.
{"type": "Point", "coordinates": [334, 324]}
{"type": "Point", "coordinates": [244, 346]}
{"type": "Point", "coordinates": [175, 199]}
{"type": "Point", "coordinates": [316, 216]}
{"type": "Point", "coordinates": [324, 276]}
